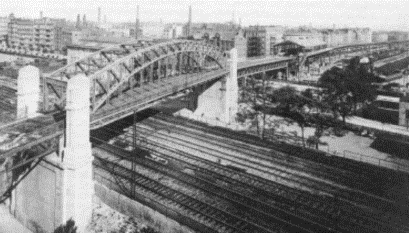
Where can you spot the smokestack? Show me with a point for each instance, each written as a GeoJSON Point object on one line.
{"type": "Point", "coordinates": [84, 20]}
{"type": "Point", "coordinates": [105, 18]}
{"type": "Point", "coordinates": [78, 25]}
{"type": "Point", "coordinates": [99, 15]}
{"type": "Point", "coordinates": [41, 14]}
{"type": "Point", "coordinates": [137, 23]}
{"type": "Point", "coordinates": [189, 24]}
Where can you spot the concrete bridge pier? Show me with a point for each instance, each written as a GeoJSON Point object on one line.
{"type": "Point", "coordinates": [77, 183]}
{"type": "Point", "coordinates": [220, 101]}
{"type": "Point", "coordinates": [28, 92]}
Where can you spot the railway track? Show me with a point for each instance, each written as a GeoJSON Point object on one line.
{"type": "Point", "coordinates": [277, 195]}
{"type": "Point", "coordinates": [244, 219]}
{"type": "Point", "coordinates": [322, 171]}
{"type": "Point", "coordinates": [358, 168]}
{"type": "Point", "coordinates": [281, 175]}
{"type": "Point", "coordinates": [148, 190]}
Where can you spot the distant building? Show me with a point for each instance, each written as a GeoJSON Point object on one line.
{"type": "Point", "coordinates": [4, 21]}
{"type": "Point", "coordinates": [347, 36]}
{"type": "Point", "coordinates": [153, 30]}
{"type": "Point", "coordinates": [173, 31]}
{"type": "Point", "coordinates": [261, 39]}
{"type": "Point", "coordinates": [71, 36]}
{"type": "Point", "coordinates": [397, 36]}
{"type": "Point", "coordinates": [378, 37]}
{"type": "Point", "coordinates": [43, 34]}
{"type": "Point", "coordinates": [87, 46]}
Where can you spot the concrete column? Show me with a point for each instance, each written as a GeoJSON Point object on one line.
{"type": "Point", "coordinates": [28, 92]}
{"type": "Point", "coordinates": [78, 186]}
{"type": "Point", "coordinates": [232, 89]}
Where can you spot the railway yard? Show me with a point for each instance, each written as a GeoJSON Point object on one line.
{"type": "Point", "coordinates": [216, 180]}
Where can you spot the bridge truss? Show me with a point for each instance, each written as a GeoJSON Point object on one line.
{"type": "Point", "coordinates": [118, 69]}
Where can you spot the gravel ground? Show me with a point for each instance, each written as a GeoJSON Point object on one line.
{"type": "Point", "coordinates": [107, 220]}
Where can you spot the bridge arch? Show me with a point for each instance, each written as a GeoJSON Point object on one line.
{"type": "Point", "coordinates": [123, 62]}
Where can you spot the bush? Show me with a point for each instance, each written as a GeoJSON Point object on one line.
{"type": "Point", "coordinates": [69, 227]}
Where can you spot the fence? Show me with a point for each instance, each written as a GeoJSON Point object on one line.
{"type": "Point", "coordinates": [372, 160]}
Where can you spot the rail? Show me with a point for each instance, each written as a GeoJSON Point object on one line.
{"type": "Point", "coordinates": [344, 154]}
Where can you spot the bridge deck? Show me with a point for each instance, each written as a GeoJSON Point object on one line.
{"type": "Point", "coordinates": [261, 61]}
{"type": "Point", "coordinates": [149, 95]}
{"type": "Point", "coordinates": [26, 133]}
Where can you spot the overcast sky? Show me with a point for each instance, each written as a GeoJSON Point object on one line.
{"type": "Point", "coordinates": [377, 14]}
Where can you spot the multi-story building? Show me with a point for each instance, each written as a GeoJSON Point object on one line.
{"type": "Point", "coordinates": [173, 31]}
{"type": "Point", "coordinates": [261, 39]}
{"type": "Point", "coordinates": [347, 36]}
{"type": "Point", "coordinates": [70, 36]}
{"type": "Point", "coordinates": [39, 34]}
{"type": "Point", "coordinates": [378, 37]}
{"type": "Point", "coordinates": [4, 21]}
{"type": "Point", "coordinates": [397, 36]}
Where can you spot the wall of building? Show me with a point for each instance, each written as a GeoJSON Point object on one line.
{"type": "Point", "coordinates": [4, 21]}
{"type": "Point", "coordinates": [38, 34]}
{"type": "Point", "coordinates": [346, 36]}
{"type": "Point", "coordinates": [379, 37]}
{"type": "Point", "coordinates": [261, 39]}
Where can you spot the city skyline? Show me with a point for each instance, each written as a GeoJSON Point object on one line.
{"type": "Point", "coordinates": [378, 15]}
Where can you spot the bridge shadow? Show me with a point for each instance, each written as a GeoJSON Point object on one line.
{"type": "Point", "coordinates": [106, 133]}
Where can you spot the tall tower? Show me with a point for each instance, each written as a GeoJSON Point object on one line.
{"type": "Point", "coordinates": [99, 15]}
{"type": "Point", "coordinates": [189, 23]}
{"type": "Point", "coordinates": [137, 24]}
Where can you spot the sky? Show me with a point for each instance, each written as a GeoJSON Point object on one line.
{"type": "Point", "coordinates": [377, 14]}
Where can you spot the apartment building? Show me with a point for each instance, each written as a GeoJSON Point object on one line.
{"type": "Point", "coordinates": [261, 39]}
{"type": "Point", "coordinates": [38, 34]}
{"type": "Point", "coordinates": [347, 36]}
{"type": "Point", "coordinates": [4, 21]}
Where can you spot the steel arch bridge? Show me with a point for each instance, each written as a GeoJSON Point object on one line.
{"type": "Point", "coordinates": [132, 74]}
